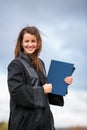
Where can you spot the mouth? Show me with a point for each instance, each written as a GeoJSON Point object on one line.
{"type": "Point", "coordinates": [30, 48]}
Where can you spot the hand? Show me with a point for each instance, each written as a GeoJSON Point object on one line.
{"type": "Point", "coordinates": [68, 80]}
{"type": "Point", "coordinates": [47, 88]}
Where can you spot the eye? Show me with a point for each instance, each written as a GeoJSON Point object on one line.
{"type": "Point", "coordinates": [26, 41]}
{"type": "Point", "coordinates": [33, 41]}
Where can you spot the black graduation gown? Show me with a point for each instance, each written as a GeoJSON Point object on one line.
{"type": "Point", "coordinates": [29, 106]}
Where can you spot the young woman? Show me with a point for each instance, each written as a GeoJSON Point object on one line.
{"type": "Point", "coordinates": [29, 91]}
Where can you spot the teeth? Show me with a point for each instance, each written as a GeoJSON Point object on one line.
{"type": "Point", "coordinates": [29, 47]}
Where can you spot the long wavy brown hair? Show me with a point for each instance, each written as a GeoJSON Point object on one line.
{"type": "Point", "coordinates": [34, 31]}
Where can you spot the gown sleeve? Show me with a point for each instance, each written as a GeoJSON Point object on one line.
{"type": "Point", "coordinates": [24, 94]}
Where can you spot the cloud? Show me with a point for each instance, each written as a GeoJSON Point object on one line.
{"type": "Point", "coordinates": [74, 112]}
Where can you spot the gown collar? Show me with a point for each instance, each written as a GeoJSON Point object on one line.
{"type": "Point", "coordinates": [25, 57]}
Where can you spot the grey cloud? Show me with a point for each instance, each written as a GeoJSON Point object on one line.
{"type": "Point", "coordinates": [61, 20]}
{"type": "Point", "coordinates": [46, 9]}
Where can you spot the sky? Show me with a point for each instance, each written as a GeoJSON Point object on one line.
{"type": "Point", "coordinates": [63, 28]}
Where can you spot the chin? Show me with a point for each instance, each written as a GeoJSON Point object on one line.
{"type": "Point", "coordinates": [30, 52]}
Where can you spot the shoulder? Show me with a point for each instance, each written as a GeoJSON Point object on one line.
{"type": "Point", "coordinates": [42, 62]}
{"type": "Point", "coordinates": [14, 63]}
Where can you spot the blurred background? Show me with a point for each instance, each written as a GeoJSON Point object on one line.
{"type": "Point", "coordinates": [63, 26]}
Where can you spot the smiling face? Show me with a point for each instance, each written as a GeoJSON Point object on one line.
{"type": "Point", "coordinates": [29, 43]}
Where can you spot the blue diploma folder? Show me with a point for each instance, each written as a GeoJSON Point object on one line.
{"type": "Point", "coordinates": [58, 70]}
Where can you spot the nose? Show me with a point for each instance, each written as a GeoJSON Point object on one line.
{"type": "Point", "coordinates": [30, 44]}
